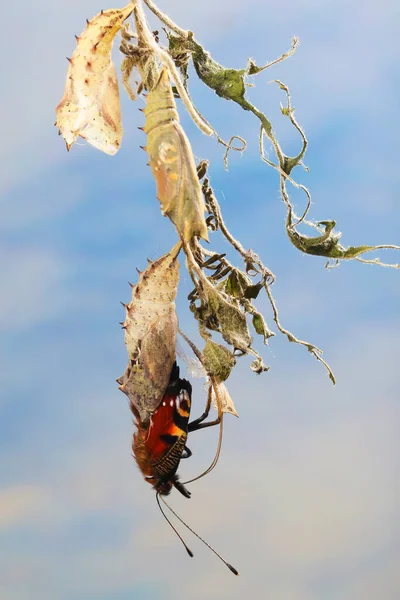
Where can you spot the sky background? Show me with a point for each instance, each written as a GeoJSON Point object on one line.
{"type": "Point", "coordinates": [305, 498]}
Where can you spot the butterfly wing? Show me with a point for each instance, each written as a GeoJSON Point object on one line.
{"type": "Point", "coordinates": [169, 423]}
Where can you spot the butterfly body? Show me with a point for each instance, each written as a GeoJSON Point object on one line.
{"type": "Point", "coordinates": [159, 445]}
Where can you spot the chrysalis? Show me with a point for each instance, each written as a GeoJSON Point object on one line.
{"type": "Point", "coordinates": [90, 107]}
{"type": "Point", "coordinates": [172, 162]}
{"type": "Point", "coordinates": [150, 328]}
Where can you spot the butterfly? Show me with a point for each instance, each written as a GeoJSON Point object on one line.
{"type": "Point", "coordinates": [160, 444]}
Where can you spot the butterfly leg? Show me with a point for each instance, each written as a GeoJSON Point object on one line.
{"type": "Point", "coordinates": [198, 423]}
{"type": "Point", "coordinates": [187, 453]}
{"type": "Point", "coordinates": [195, 425]}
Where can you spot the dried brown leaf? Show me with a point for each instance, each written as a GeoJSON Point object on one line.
{"type": "Point", "coordinates": [224, 399]}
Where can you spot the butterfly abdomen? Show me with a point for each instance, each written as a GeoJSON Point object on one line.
{"type": "Point", "coordinates": [168, 465]}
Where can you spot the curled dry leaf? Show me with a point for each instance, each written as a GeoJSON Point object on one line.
{"type": "Point", "coordinates": [224, 399]}
{"type": "Point", "coordinates": [150, 335]}
{"type": "Point", "coordinates": [172, 162]}
{"type": "Point", "coordinates": [218, 361]}
{"type": "Point", "coordinates": [90, 107]}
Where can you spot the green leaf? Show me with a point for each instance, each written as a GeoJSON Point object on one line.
{"type": "Point", "coordinates": [218, 360]}
{"type": "Point", "coordinates": [216, 313]}
{"type": "Point", "coordinates": [253, 290]}
{"type": "Point", "coordinates": [261, 327]}
{"type": "Point", "coordinates": [237, 284]}
{"type": "Point", "coordinates": [327, 244]}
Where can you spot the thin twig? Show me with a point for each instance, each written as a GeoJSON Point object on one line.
{"type": "Point", "coordinates": [299, 186]}
{"type": "Point", "coordinates": [166, 19]}
{"type": "Point", "coordinates": [144, 31]}
{"type": "Point", "coordinates": [253, 69]}
{"type": "Point", "coordinates": [228, 145]}
{"type": "Point", "coordinates": [289, 112]}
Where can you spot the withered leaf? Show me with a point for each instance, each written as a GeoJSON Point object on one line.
{"type": "Point", "coordinates": [261, 327]}
{"type": "Point", "coordinates": [321, 245]}
{"type": "Point", "coordinates": [172, 162]}
{"type": "Point", "coordinates": [258, 366]}
{"type": "Point", "coordinates": [90, 107]}
{"type": "Point", "coordinates": [327, 244]}
{"type": "Point", "coordinates": [253, 290]}
{"type": "Point", "coordinates": [150, 334]}
{"type": "Point", "coordinates": [237, 284]}
{"type": "Point", "coordinates": [218, 361]}
{"type": "Point", "coordinates": [224, 399]}
{"type": "Point", "coordinates": [217, 314]}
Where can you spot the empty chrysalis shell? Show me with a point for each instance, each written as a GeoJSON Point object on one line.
{"type": "Point", "coordinates": [90, 107]}
{"type": "Point", "coordinates": [150, 327]}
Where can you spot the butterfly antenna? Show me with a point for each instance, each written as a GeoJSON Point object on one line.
{"type": "Point", "coordinates": [230, 567]}
{"type": "Point", "coordinates": [188, 550]}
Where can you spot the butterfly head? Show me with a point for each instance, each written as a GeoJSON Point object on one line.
{"type": "Point", "coordinates": [164, 487]}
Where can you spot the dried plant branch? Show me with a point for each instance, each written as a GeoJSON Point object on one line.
{"type": "Point", "coordinates": [230, 84]}
{"type": "Point", "coordinates": [266, 281]}
{"type": "Point", "coordinates": [166, 19]}
{"type": "Point", "coordinates": [377, 261]}
{"type": "Point", "coordinates": [147, 38]}
{"type": "Point", "coordinates": [253, 69]}
{"type": "Point", "coordinates": [228, 145]}
{"type": "Point", "coordinates": [145, 34]}
{"type": "Point", "coordinates": [253, 265]}
{"type": "Point", "coordinates": [292, 181]}
{"type": "Point", "coordinates": [223, 294]}
{"type": "Point", "coordinates": [288, 111]}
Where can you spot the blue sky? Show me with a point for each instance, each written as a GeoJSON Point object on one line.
{"type": "Point", "coordinates": [304, 501]}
